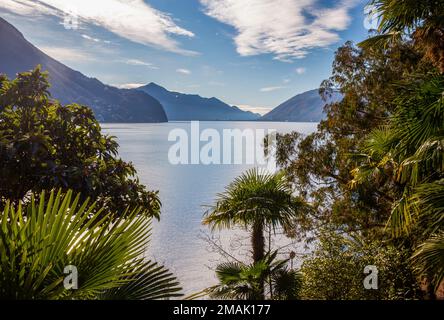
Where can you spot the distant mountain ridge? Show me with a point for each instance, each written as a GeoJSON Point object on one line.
{"type": "Point", "coordinates": [187, 107]}
{"type": "Point", "coordinates": [109, 104]}
{"type": "Point", "coordinates": [304, 107]}
{"type": "Point", "coordinates": [150, 103]}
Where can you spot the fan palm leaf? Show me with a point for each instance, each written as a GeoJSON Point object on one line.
{"type": "Point", "coordinates": [150, 281]}
{"type": "Point", "coordinates": [40, 239]}
{"type": "Point", "coordinates": [422, 21]}
{"type": "Point", "coordinates": [256, 199]}
{"type": "Point", "coordinates": [239, 281]}
{"type": "Point", "coordinates": [429, 259]}
{"type": "Point", "coordinates": [252, 197]}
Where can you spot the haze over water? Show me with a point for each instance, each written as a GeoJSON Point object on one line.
{"type": "Point", "coordinates": [177, 241]}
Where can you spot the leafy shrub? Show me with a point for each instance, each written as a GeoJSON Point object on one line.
{"type": "Point", "coordinates": [44, 145]}
{"type": "Point", "coordinates": [39, 240]}
{"type": "Point", "coordinates": [335, 270]}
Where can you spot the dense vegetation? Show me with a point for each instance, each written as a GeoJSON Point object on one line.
{"type": "Point", "coordinates": [366, 189]}
{"type": "Point", "coordinates": [372, 175]}
{"type": "Point", "coordinates": [40, 241]}
{"type": "Point", "coordinates": [256, 200]}
{"type": "Point", "coordinates": [103, 231]}
{"type": "Point", "coordinates": [44, 145]}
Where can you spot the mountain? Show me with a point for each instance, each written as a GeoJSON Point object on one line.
{"type": "Point", "coordinates": [188, 107]}
{"type": "Point", "coordinates": [305, 107]}
{"type": "Point", "coordinates": [68, 86]}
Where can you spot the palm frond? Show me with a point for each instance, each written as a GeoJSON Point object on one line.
{"type": "Point", "coordinates": [380, 40]}
{"type": "Point", "coordinates": [429, 259]}
{"type": "Point", "coordinates": [150, 281]}
{"type": "Point", "coordinates": [429, 197]}
{"type": "Point", "coordinates": [403, 216]}
{"type": "Point", "coordinates": [287, 284]}
{"type": "Point", "coordinates": [255, 197]}
{"type": "Point", "coordinates": [241, 281]}
{"type": "Point", "coordinates": [40, 239]}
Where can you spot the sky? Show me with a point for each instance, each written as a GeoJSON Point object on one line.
{"type": "Point", "coordinates": [254, 54]}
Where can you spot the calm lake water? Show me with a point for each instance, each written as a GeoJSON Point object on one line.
{"type": "Point", "coordinates": [179, 240]}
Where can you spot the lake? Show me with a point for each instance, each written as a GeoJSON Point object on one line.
{"type": "Point", "coordinates": [179, 240]}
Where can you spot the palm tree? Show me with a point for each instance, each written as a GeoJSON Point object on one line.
{"type": "Point", "coordinates": [429, 257]}
{"type": "Point", "coordinates": [429, 260]}
{"type": "Point", "coordinates": [238, 281]}
{"type": "Point", "coordinates": [38, 239]}
{"type": "Point", "coordinates": [410, 149]}
{"type": "Point", "coordinates": [421, 20]}
{"type": "Point", "coordinates": [256, 200]}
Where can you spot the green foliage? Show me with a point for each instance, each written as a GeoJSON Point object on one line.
{"type": "Point", "coordinates": [238, 281]}
{"type": "Point", "coordinates": [286, 284]}
{"type": "Point", "coordinates": [429, 197]}
{"type": "Point", "coordinates": [147, 281]}
{"type": "Point", "coordinates": [376, 160]}
{"type": "Point", "coordinates": [429, 259]}
{"type": "Point", "coordinates": [335, 270]}
{"type": "Point", "coordinates": [320, 165]}
{"type": "Point", "coordinates": [38, 240]}
{"type": "Point", "coordinates": [410, 153]}
{"type": "Point", "coordinates": [254, 200]}
{"type": "Point", "coordinates": [44, 145]}
{"type": "Point", "coordinates": [255, 196]}
{"type": "Point", "coordinates": [414, 148]}
{"type": "Point", "coordinates": [423, 21]}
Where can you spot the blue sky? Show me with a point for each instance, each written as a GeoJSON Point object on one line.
{"type": "Point", "coordinates": [252, 53]}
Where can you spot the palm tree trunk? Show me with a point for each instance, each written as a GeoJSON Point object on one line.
{"type": "Point", "coordinates": [258, 244]}
{"type": "Point", "coordinates": [270, 283]}
{"type": "Point", "coordinates": [430, 290]}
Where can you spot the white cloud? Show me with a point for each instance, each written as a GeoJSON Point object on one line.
{"type": "Point", "coordinates": [270, 89]}
{"type": "Point", "coordinates": [288, 29]}
{"type": "Point", "coordinates": [300, 70]}
{"type": "Point", "coordinates": [27, 8]}
{"type": "Point", "coordinates": [260, 110]}
{"type": "Point", "coordinates": [183, 71]}
{"type": "Point", "coordinates": [129, 85]}
{"type": "Point", "coordinates": [67, 54]}
{"type": "Point", "coordinates": [134, 20]}
{"type": "Point", "coordinates": [136, 62]}
{"type": "Point", "coordinates": [87, 37]}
